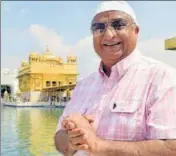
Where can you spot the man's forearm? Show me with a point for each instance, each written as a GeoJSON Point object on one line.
{"type": "Point", "coordinates": [143, 148]}
{"type": "Point", "coordinates": [62, 144]}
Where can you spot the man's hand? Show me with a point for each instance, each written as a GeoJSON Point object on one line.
{"type": "Point", "coordinates": [81, 134]}
{"type": "Point", "coordinates": [62, 143]}
{"type": "Point", "coordinates": [68, 125]}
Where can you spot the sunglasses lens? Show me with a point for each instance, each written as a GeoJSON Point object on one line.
{"type": "Point", "coordinates": [98, 27]}
{"type": "Point", "coordinates": [118, 24]}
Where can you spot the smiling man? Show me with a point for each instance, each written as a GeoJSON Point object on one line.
{"type": "Point", "coordinates": [128, 107]}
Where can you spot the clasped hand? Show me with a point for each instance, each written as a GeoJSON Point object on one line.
{"type": "Point", "coordinates": [81, 134]}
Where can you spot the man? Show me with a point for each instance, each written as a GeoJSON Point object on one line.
{"type": "Point", "coordinates": [127, 108]}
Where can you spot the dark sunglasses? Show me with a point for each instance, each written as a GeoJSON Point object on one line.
{"type": "Point", "coordinates": [100, 27]}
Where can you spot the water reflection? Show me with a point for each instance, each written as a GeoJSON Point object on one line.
{"type": "Point", "coordinates": [29, 131]}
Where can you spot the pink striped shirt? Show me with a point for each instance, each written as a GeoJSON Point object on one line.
{"type": "Point", "coordinates": [137, 102]}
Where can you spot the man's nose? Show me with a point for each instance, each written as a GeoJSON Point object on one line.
{"type": "Point", "coordinates": [109, 33]}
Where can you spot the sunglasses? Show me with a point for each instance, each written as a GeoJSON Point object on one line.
{"type": "Point", "coordinates": [118, 25]}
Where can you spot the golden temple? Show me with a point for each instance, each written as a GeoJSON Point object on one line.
{"type": "Point", "coordinates": [46, 77]}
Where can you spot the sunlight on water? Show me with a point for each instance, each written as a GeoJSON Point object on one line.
{"type": "Point", "coordinates": [28, 131]}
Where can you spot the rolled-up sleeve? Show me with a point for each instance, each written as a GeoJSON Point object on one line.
{"type": "Point", "coordinates": [161, 112]}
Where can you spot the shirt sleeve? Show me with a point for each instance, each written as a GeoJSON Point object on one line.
{"type": "Point", "coordinates": [71, 106]}
{"type": "Point", "coordinates": [161, 112]}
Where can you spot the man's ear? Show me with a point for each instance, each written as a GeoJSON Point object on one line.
{"type": "Point", "coordinates": [137, 30]}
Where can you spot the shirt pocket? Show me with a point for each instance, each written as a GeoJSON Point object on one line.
{"type": "Point", "coordinates": [119, 121]}
{"type": "Point", "coordinates": [124, 106]}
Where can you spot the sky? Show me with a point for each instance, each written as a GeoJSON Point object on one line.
{"type": "Point", "coordinates": [29, 26]}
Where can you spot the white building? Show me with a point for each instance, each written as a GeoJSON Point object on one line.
{"type": "Point", "coordinates": [8, 77]}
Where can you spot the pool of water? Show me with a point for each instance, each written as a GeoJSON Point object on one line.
{"type": "Point", "coordinates": [28, 131]}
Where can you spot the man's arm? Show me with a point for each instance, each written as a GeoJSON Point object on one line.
{"type": "Point", "coordinates": [143, 148]}
{"type": "Point", "coordinates": [61, 137]}
{"type": "Point", "coordinates": [62, 143]}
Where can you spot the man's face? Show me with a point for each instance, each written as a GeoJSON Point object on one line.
{"type": "Point", "coordinates": [117, 40]}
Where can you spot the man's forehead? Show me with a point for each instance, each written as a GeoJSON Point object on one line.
{"type": "Point", "coordinates": [109, 15]}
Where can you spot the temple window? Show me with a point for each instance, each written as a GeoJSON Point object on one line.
{"type": "Point", "coordinates": [47, 83]}
{"type": "Point", "coordinates": [54, 83]}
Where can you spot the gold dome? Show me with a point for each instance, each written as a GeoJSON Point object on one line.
{"type": "Point", "coordinates": [51, 57]}
{"type": "Point", "coordinates": [24, 63]}
{"type": "Point", "coordinates": [48, 57]}
{"type": "Point", "coordinates": [33, 55]}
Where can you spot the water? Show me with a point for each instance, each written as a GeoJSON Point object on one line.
{"type": "Point", "coordinates": [28, 131]}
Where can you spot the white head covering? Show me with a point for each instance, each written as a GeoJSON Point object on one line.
{"type": "Point", "coordinates": [119, 6]}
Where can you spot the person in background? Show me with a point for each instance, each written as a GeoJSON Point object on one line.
{"type": "Point", "coordinates": [127, 107]}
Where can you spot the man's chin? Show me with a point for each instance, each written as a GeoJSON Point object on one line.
{"type": "Point", "coordinates": [113, 51]}
{"type": "Point", "coordinates": [118, 53]}
{"type": "Point", "coordinates": [115, 54]}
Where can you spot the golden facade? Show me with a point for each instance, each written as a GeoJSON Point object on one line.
{"type": "Point", "coordinates": [47, 76]}
{"type": "Point", "coordinates": [170, 44]}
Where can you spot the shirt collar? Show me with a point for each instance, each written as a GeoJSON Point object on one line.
{"type": "Point", "coordinates": [121, 67]}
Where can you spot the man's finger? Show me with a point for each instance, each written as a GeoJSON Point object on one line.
{"type": "Point", "coordinates": [81, 147]}
{"type": "Point", "coordinates": [75, 132]}
{"type": "Point", "coordinates": [64, 122]}
{"type": "Point", "coordinates": [77, 140]}
{"type": "Point", "coordinates": [70, 125]}
{"type": "Point", "coordinates": [89, 118]}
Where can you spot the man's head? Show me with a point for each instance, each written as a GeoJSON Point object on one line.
{"type": "Point", "coordinates": [115, 32]}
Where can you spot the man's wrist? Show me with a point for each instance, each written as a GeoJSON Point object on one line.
{"type": "Point", "coordinates": [99, 146]}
